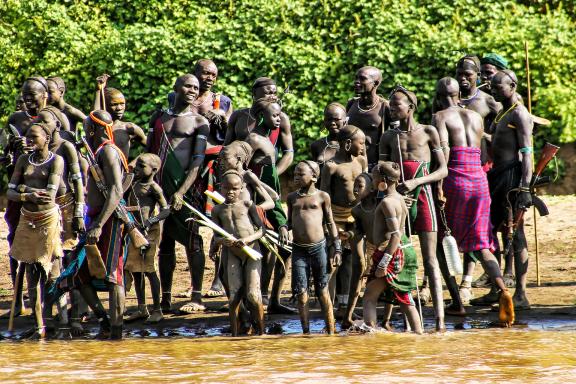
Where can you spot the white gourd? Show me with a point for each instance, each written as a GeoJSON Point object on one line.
{"type": "Point", "coordinates": [452, 255]}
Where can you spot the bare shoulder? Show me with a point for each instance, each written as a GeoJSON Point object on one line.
{"type": "Point", "coordinates": [73, 111]}
{"type": "Point", "coordinates": [69, 149]}
{"type": "Point", "coordinates": [389, 206]}
{"type": "Point", "coordinates": [156, 188]}
{"type": "Point", "coordinates": [429, 129]}
{"type": "Point", "coordinates": [383, 102]}
{"type": "Point", "coordinates": [284, 118]}
{"type": "Point", "coordinates": [325, 196]}
{"type": "Point", "coordinates": [363, 161]}
{"type": "Point", "coordinates": [350, 103]}
{"type": "Point", "coordinates": [58, 161]}
{"type": "Point", "coordinates": [521, 114]}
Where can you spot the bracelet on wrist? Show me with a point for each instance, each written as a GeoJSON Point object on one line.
{"type": "Point", "coordinates": [383, 264]}
{"type": "Point", "coordinates": [22, 197]}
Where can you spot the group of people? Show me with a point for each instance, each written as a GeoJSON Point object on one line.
{"type": "Point", "coordinates": [85, 217]}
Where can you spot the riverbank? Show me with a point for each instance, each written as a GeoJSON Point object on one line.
{"type": "Point", "coordinates": [553, 302]}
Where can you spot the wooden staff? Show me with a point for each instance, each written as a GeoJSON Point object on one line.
{"type": "Point", "coordinates": [529, 105]}
{"type": "Point", "coordinates": [18, 285]}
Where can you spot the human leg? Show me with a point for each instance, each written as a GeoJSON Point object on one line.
{"type": "Point", "coordinates": [166, 267]}
{"type": "Point", "coordinates": [413, 317]}
{"type": "Point", "coordinates": [428, 242]}
{"type": "Point", "coordinates": [370, 300]}
{"type": "Point", "coordinates": [33, 277]}
{"type": "Point", "coordinates": [280, 273]}
{"type": "Point", "coordinates": [117, 298]}
{"type": "Point", "coordinates": [358, 268]}
{"type": "Point", "coordinates": [300, 277]}
{"type": "Point", "coordinates": [456, 308]}
{"type": "Point", "coordinates": [252, 271]}
{"type": "Point", "coordinates": [140, 287]}
{"type": "Point", "coordinates": [235, 285]}
{"type": "Point", "coordinates": [521, 267]}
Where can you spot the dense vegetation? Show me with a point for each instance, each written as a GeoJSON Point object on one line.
{"type": "Point", "coordinates": [312, 46]}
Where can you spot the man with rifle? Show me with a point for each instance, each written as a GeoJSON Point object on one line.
{"type": "Point", "coordinates": [510, 178]}
{"type": "Point", "coordinates": [106, 224]}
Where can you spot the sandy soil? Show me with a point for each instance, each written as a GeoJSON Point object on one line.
{"type": "Point", "coordinates": [553, 300]}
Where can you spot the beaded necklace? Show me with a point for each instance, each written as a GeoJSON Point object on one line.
{"type": "Point", "coordinates": [46, 160]}
{"type": "Point", "coordinates": [501, 115]}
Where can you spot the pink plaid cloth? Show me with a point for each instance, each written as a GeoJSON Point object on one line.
{"type": "Point", "coordinates": [468, 200]}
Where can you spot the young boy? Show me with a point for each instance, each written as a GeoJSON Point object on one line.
{"type": "Point", "coordinates": [263, 139]}
{"type": "Point", "coordinates": [147, 194]}
{"type": "Point", "coordinates": [124, 131]}
{"type": "Point", "coordinates": [394, 261]}
{"type": "Point", "coordinates": [240, 218]}
{"type": "Point", "coordinates": [338, 177]}
{"type": "Point", "coordinates": [308, 210]}
{"type": "Point", "coordinates": [361, 238]}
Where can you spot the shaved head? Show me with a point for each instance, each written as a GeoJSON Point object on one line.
{"type": "Point", "coordinates": [203, 63]}
{"type": "Point", "coordinates": [373, 72]}
{"type": "Point", "coordinates": [447, 86]}
{"type": "Point", "coordinates": [184, 78]}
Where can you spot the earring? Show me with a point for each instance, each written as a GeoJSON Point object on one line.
{"type": "Point", "coordinates": [91, 133]}
{"type": "Point", "coordinates": [261, 121]}
{"type": "Point", "coordinates": [348, 146]}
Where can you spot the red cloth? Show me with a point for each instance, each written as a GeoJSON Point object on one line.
{"type": "Point", "coordinates": [468, 200]}
{"type": "Point", "coordinates": [426, 214]}
{"type": "Point", "coordinates": [392, 271]}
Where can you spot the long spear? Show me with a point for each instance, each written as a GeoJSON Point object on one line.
{"type": "Point", "coordinates": [529, 105]}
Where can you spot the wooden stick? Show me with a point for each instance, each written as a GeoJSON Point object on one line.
{"type": "Point", "coordinates": [533, 207]}
{"type": "Point", "coordinates": [18, 283]}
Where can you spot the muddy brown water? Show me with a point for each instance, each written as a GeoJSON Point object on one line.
{"type": "Point", "coordinates": [543, 351]}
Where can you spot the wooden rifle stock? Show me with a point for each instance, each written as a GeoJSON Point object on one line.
{"type": "Point", "coordinates": [548, 153]}
{"type": "Point", "coordinates": [137, 238]}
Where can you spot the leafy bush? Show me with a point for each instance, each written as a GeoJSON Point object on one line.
{"type": "Point", "coordinates": [313, 46]}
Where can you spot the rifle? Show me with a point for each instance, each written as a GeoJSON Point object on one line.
{"type": "Point", "coordinates": [548, 153]}
{"type": "Point", "coordinates": [138, 240]}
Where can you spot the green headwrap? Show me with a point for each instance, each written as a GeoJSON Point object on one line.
{"type": "Point", "coordinates": [496, 60]}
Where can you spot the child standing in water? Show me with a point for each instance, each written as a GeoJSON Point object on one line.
{"type": "Point", "coordinates": [239, 218]}
{"type": "Point", "coordinates": [394, 260]}
{"type": "Point", "coordinates": [308, 210]}
{"type": "Point", "coordinates": [147, 194]}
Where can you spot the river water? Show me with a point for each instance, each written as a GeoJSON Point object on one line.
{"type": "Point", "coordinates": [472, 356]}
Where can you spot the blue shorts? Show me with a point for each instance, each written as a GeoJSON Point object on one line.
{"type": "Point", "coordinates": [306, 260]}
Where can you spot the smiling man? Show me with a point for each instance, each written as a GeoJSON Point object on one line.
{"type": "Point", "coordinates": [179, 136]}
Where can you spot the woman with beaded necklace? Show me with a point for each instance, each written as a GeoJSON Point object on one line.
{"type": "Point", "coordinates": [36, 242]}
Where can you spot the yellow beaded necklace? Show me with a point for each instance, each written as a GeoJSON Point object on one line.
{"type": "Point", "coordinates": [501, 115]}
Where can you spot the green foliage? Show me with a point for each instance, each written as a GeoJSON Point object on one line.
{"type": "Point", "coordinates": [313, 46]}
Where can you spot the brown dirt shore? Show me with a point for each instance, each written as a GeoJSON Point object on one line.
{"type": "Point", "coordinates": [553, 302]}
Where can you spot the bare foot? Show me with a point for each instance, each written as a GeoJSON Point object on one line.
{"type": "Point", "coordinates": [521, 302]}
{"type": "Point", "coordinates": [506, 314]}
{"type": "Point", "coordinates": [455, 310]}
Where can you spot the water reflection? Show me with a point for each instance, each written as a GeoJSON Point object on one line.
{"type": "Point", "coordinates": [479, 356]}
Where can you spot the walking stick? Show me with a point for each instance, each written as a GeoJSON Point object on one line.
{"type": "Point", "coordinates": [18, 283]}
{"type": "Point", "coordinates": [529, 105]}
{"type": "Point", "coordinates": [410, 233]}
